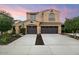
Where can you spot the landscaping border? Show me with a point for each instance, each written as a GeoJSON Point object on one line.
{"type": "Point", "coordinates": [39, 40]}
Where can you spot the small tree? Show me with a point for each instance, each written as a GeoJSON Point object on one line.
{"type": "Point", "coordinates": [75, 25]}
{"type": "Point", "coordinates": [68, 26]}
{"type": "Point", "coordinates": [72, 25]}
{"type": "Point", "coordinates": [6, 22]}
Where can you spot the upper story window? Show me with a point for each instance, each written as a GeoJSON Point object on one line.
{"type": "Point", "coordinates": [33, 16]}
{"type": "Point", "coordinates": [52, 17]}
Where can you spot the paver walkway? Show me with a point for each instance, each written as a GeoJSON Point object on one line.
{"type": "Point", "coordinates": [55, 44]}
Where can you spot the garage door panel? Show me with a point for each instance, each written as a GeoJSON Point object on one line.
{"type": "Point", "coordinates": [31, 29]}
{"type": "Point", "coordinates": [49, 29]}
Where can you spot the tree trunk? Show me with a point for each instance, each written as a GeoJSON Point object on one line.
{"type": "Point", "coordinates": [1, 33]}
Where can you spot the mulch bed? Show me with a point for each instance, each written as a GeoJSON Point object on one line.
{"type": "Point", "coordinates": [39, 40]}
{"type": "Point", "coordinates": [13, 38]}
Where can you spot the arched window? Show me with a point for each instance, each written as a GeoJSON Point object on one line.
{"type": "Point", "coordinates": [33, 16]}
{"type": "Point", "coordinates": [51, 16]}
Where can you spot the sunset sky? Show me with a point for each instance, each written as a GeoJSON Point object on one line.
{"type": "Point", "coordinates": [18, 11]}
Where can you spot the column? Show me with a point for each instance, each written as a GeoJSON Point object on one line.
{"type": "Point", "coordinates": [59, 29]}
{"type": "Point", "coordinates": [25, 29]}
{"type": "Point", "coordinates": [38, 29]}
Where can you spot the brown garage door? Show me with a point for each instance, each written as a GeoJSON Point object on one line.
{"type": "Point", "coordinates": [31, 29]}
{"type": "Point", "coordinates": [49, 29]}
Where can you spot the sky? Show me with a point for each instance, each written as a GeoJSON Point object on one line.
{"type": "Point", "coordinates": [18, 11]}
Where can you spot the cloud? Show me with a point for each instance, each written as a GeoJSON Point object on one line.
{"type": "Point", "coordinates": [16, 11]}
{"type": "Point", "coordinates": [19, 12]}
{"type": "Point", "coordinates": [68, 13]}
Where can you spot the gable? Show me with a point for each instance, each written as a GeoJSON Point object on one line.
{"type": "Point", "coordinates": [29, 22]}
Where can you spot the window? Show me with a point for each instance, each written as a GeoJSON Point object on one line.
{"type": "Point", "coordinates": [33, 16]}
{"type": "Point", "coordinates": [51, 16]}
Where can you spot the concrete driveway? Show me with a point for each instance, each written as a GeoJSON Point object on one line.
{"type": "Point", "coordinates": [26, 40]}
{"type": "Point", "coordinates": [57, 39]}
{"type": "Point", "coordinates": [19, 46]}
{"type": "Point", "coordinates": [55, 44]}
{"type": "Point", "coordinates": [60, 44]}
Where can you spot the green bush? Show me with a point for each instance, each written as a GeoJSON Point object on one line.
{"type": "Point", "coordinates": [8, 38]}
{"type": "Point", "coordinates": [4, 38]}
{"type": "Point", "coordinates": [17, 36]}
{"type": "Point", "coordinates": [22, 30]}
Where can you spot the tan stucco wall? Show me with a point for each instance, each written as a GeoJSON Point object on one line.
{"type": "Point", "coordinates": [38, 29]}
{"type": "Point", "coordinates": [17, 29]}
{"type": "Point", "coordinates": [51, 24]}
{"type": "Point", "coordinates": [46, 16]}
{"type": "Point", "coordinates": [59, 29]}
{"type": "Point", "coordinates": [35, 23]}
{"type": "Point", "coordinates": [39, 19]}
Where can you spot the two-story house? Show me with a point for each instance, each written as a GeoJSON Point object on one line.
{"type": "Point", "coordinates": [45, 22]}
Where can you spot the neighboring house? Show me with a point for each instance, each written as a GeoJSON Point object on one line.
{"type": "Point", "coordinates": [17, 25]}
{"type": "Point", "coordinates": [47, 21]}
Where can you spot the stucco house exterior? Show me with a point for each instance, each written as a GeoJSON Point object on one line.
{"type": "Point", "coordinates": [45, 22]}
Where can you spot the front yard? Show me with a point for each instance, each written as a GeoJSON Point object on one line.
{"type": "Point", "coordinates": [4, 40]}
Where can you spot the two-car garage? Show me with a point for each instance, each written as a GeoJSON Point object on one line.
{"type": "Point", "coordinates": [44, 29]}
